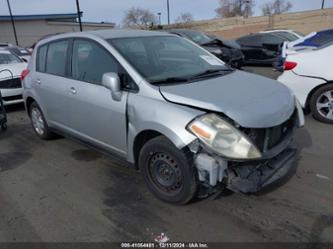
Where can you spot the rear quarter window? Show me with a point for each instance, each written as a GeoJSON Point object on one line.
{"type": "Point", "coordinates": [41, 58]}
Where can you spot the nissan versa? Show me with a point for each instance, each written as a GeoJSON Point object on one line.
{"type": "Point", "coordinates": [179, 114]}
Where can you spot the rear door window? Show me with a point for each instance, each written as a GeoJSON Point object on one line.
{"type": "Point", "coordinates": [56, 58]}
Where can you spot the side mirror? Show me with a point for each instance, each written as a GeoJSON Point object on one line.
{"type": "Point", "coordinates": [111, 81]}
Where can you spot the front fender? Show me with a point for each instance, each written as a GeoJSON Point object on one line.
{"type": "Point", "coordinates": [160, 116]}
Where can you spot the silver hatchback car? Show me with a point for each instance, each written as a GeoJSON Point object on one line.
{"type": "Point", "coordinates": [184, 118]}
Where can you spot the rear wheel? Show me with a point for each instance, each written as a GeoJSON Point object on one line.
{"type": "Point", "coordinates": [321, 104]}
{"type": "Point", "coordinates": [167, 171]}
{"type": "Point", "coordinates": [38, 122]}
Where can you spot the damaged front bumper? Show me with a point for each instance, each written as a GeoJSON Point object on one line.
{"type": "Point", "coordinates": [252, 178]}
{"type": "Point", "coordinates": [249, 176]}
{"type": "Point", "coordinates": [244, 177]}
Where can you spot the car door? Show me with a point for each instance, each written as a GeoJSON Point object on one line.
{"type": "Point", "coordinates": [49, 81]}
{"type": "Point", "coordinates": [94, 116]}
{"type": "Point", "coordinates": [272, 45]}
{"type": "Point", "coordinates": [251, 47]}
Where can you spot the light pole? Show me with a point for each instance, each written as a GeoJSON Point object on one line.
{"type": "Point", "coordinates": [159, 18]}
{"type": "Point", "coordinates": [79, 13]}
{"type": "Point", "coordinates": [13, 23]}
{"type": "Point", "coordinates": [323, 4]}
{"type": "Point", "coordinates": [168, 7]}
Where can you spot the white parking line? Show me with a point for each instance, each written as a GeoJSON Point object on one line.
{"type": "Point", "coordinates": [323, 177]}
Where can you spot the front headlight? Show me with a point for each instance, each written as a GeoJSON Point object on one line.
{"type": "Point", "coordinates": [223, 138]}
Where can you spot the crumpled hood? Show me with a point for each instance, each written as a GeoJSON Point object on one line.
{"type": "Point", "coordinates": [250, 100]}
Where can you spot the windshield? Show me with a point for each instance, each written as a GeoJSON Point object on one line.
{"type": "Point", "coordinates": [18, 51]}
{"type": "Point", "coordinates": [159, 58]}
{"type": "Point", "coordinates": [288, 36]}
{"type": "Point", "coordinates": [8, 58]}
{"type": "Point", "coordinates": [198, 37]}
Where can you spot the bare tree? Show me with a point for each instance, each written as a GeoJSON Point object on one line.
{"type": "Point", "coordinates": [184, 18]}
{"type": "Point", "coordinates": [276, 7]}
{"type": "Point", "coordinates": [231, 8]}
{"type": "Point", "coordinates": [139, 18]}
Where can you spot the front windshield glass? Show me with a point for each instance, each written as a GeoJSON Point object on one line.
{"type": "Point", "coordinates": [158, 58]}
{"type": "Point", "coordinates": [8, 58]}
{"type": "Point", "coordinates": [198, 37]}
{"type": "Point", "coordinates": [287, 36]}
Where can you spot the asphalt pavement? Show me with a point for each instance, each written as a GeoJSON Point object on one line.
{"type": "Point", "coordinates": [62, 191]}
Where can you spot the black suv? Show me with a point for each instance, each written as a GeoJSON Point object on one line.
{"type": "Point", "coordinates": [228, 51]}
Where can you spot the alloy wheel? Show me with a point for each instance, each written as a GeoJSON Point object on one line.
{"type": "Point", "coordinates": [325, 105]}
{"type": "Point", "coordinates": [37, 121]}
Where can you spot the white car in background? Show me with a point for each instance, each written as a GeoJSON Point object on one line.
{"type": "Point", "coordinates": [11, 67]}
{"type": "Point", "coordinates": [288, 34]}
{"type": "Point", "coordinates": [310, 76]}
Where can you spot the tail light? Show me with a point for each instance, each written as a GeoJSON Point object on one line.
{"type": "Point", "coordinates": [24, 74]}
{"type": "Point", "coordinates": [289, 65]}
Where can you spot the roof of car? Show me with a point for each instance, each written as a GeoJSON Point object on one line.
{"type": "Point", "coordinates": [124, 33]}
{"type": "Point", "coordinates": [107, 34]}
{"type": "Point", "coordinates": [4, 51]}
{"type": "Point", "coordinates": [276, 30]}
{"type": "Point", "coordinates": [181, 30]}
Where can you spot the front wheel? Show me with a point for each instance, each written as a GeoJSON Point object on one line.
{"type": "Point", "coordinates": [321, 104]}
{"type": "Point", "coordinates": [167, 171]}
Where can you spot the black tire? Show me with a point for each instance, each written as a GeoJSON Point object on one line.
{"type": "Point", "coordinates": [4, 126]}
{"type": "Point", "coordinates": [47, 133]}
{"type": "Point", "coordinates": [318, 97]}
{"type": "Point", "coordinates": [161, 161]}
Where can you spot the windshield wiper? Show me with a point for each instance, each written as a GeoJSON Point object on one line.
{"type": "Point", "coordinates": [207, 73]}
{"type": "Point", "coordinates": [170, 80]}
{"type": "Point", "coordinates": [211, 72]}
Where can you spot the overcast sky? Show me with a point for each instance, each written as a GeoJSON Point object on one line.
{"type": "Point", "coordinates": [113, 10]}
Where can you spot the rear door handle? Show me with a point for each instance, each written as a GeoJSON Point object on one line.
{"type": "Point", "coordinates": [72, 90]}
{"type": "Point", "coordinates": [38, 81]}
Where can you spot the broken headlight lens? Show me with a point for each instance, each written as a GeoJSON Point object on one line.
{"type": "Point", "coordinates": [223, 138]}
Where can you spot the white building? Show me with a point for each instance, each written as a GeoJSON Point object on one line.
{"type": "Point", "coordinates": [30, 28]}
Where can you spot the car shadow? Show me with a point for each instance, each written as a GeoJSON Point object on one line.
{"type": "Point", "coordinates": [321, 223]}
{"type": "Point", "coordinates": [14, 108]}
{"type": "Point", "coordinates": [128, 204]}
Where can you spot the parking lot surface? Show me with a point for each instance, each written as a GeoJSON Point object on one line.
{"type": "Point", "coordinates": [62, 191]}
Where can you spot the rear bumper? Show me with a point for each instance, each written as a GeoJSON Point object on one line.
{"type": "Point", "coordinates": [12, 96]}
{"type": "Point", "coordinates": [253, 178]}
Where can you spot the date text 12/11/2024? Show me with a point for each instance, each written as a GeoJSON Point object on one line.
{"type": "Point", "coordinates": [165, 245]}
